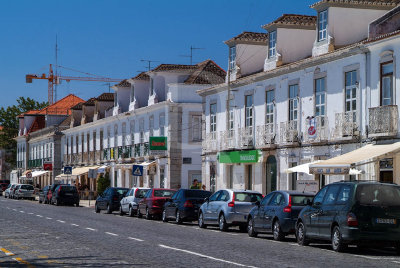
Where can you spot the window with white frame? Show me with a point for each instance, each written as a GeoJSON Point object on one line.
{"type": "Point", "coordinates": [196, 128]}
{"type": "Point", "coordinates": [109, 137]}
{"type": "Point", "coordinates": [270, 107]}
{"type": "Point", "coordinates": [141, 129]}
{"type": "Point", "coordinates": [213, 120]}
{"type": "Point", "coordinates": [132, 129]}
{"type": "Point", "coordinates": [322, 25]}
{"type": "Point", "coordinates": [161, 125]}
{"type": "Point", "coordinates": [231, 118]}
{"type": "Point", "coordinates": [249, 112]}
{"type": "Point", "coordinates": [320, 96]}
{"type": "Point", "coordinates": [123, 134]}
{"type": "Point", "coordinates": [272, 44]}
{"type": "Point", "coordinates": [151, 126]}
{"type": "Point", "coordinates": [293, 103]}
{"type": "Point", "coordinates": [132, 97]}
{"type": "Point", "coordinates": [351, 93]}
{"type": "Point", "coordinates": [387, 83]}
{"type": "Point", "coordinates": [232, 58]}
{"type": "Point", "coordinates": [115, 135]}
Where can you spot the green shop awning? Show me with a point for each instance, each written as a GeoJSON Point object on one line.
{"type": "Point", "coordinates": [239, 157]}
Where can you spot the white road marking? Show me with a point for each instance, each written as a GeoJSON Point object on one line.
{"type": "Point", "coordinates": [205, 256]}
{"type": "Point", "coordinates": [90, 229]}
{"type": "Point", "coordinates": [293, 244]}
{"type": "Point", "coordinates": [14, 209]}
{"type": "Point", "coordinates": [137, 239]}
{"type": "Point", "coordinates": [22, 211]}
{"type": "Point", "coordinates": [61, 221]}
{"type": "Point", "coordinates": [111, 234]}
{"type": "Point", "coordinates": [396, 262]}
{"type": "Point", "coordinates": [73, 224]}
{"type": "Point", "coordinates": [39, 216]}
{"type": "Point", "coordinates": [49, 218]}
{"type": "Point", "coordinates": [30, 213]}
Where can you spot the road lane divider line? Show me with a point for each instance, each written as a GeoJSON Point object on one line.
{"type": "Point", "coordinates": [111, 234]}
{"type": "Point", "coordinates": [40, 216]}
{"type": "Point", "coordinates": [22, 211]}
{"type": "Point", "coordinates": [24, 262]}
{"type": "Point", "coordinates": [73, 224]}
{"type": "Point", "coordinates": [8, 253]}
{"type": "Point", "coordinates": [49, 218]}
{"type": "Point", "coordinates": [90, 229]}
{"type": "Point", "coordinates": [205, 256]}
{"type": "Point", "coordinates": [136, 239]}
{"type": "Point", "coordinates": [30, 213]}
{"type": "Point", "coordinates": [61, 221]}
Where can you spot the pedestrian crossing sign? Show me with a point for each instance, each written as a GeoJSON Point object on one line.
{"type": "Point", "coordinates": [137, 170]}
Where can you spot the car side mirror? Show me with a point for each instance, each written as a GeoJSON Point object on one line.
{"type": "Point", "coordinates": [258, 203]}
{"type": "Point", "coordinates": [207, 199]}
{"type": "Point", "coordinates": [316, 204]}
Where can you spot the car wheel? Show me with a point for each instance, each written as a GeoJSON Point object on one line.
{"type": "Point", "coordinates": [121, 213]}
{"type": "Point", "coordinates": [338, 244]}
{"type": "Point", "coordinates": [277, 231]}
{"type": "Point", "coordinates": [131, 213]}
{"type": "Point", "coordinates": [164, 216]}
{"type": "Point", "coordinates": [222, 223]}
{"type": "Point", "coordinates": [201, 220]}
{"type": "Point", "coordinates": [77, 204]}
{"type": "Point", "coordinates": [139, 215]}
{"type": "Point", "coordinates": [178, 219]}
{"type": "Point", "coordinates": [109, 210]}
{"type": "Point", "coordinates": [40, 201]}
{"type": "Point", "coordinates": [148, 216]}
{"type": "Point", "coordinates": [397, 247]}
{"type": "Point", "coordinates": [250, 228]}
{"type": "Point", "coordinates": [301, 235]}
{"type": "Point", "coordinates": [96, 208]}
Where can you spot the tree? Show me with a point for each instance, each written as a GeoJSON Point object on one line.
{"type": "Point", "coordinates": [103, 183]}
{"type": "Point", "coordinates": [10, 124]}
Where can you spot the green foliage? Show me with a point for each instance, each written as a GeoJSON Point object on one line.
{"type": "Point", "coordinates": [9, 122]}
{"type": "Point", "coordinates": [103, 183]}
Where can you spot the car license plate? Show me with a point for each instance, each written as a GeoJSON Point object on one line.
{"type": "Point", "coordinates": [386, 221]}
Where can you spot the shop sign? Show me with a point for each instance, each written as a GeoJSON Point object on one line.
{"type": "Point", "coordinates": [330, 170]}
{"type": "Point", "coordinates": [47, 166]}
{"type": "Point", "coordinates": [310, 186]}
{"type": "Point", "coordinates": [239, 157]}
{"type": "Point", "coordinates": [158, 143]}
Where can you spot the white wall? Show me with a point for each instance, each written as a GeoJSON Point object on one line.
{"type": "Point", "coordinates": [294, 44]}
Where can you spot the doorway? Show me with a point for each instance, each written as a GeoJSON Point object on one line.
{"type": "Point", "coordinates": [271, 176]}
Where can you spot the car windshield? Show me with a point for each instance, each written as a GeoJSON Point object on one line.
{"type": "Point", "coordinates": [247, 197]}
{"type": "Point", "coordinates": [140, 193]}
{"type": "Point", "coordinates": [69, 189]}
{"type": "Point", "coordinates": [121, 191]}
{"type": "Point", "coordinates": [378, 195]}
{"type": "Point", "coordinates": [163, 193]}
{"type": "Point", "coordinates": [27, 187]}
{"type": "Point", "coordinates": [197, 193]}
{"type": "Point", "coordinates": [301, 200]}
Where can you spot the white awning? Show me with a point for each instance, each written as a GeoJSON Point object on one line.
{"type": "Point", "coordinates": [38, 173]}
{"type": "Point", "coordinates": [303, 168]}
{"type": "Point", "coordinates": [82, 170]}
{"type": "Point", "coordinates": [344, 163]}
{"type": "Point", "coordinates": [146, 164]}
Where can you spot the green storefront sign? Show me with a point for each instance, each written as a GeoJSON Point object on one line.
{"type": "Point", "coordinates": [158, 143]}
{"type": "Point", "coordinates": [239, 157]}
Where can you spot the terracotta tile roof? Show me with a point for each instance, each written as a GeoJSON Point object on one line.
{"type": "Point", "coordinates": [207, 72]}
{"type": "Point", "coordinates": [249, 37]}
{"type": "Point", "coordinates": [67, 122]}
{"type": "Point", "coordinates": [123, 83]}
{"type": "Point", "coordinates": [371, 3]}
{"type": "Point", "coordinates": [293, 20]}
{"type": "Point", "coordinates": [31, 112]}
{"type": "Point", "coordinates": [38, 123]}
{"type": "Point", "coordinates": [77, 106]}
{"type": "Point", "coordinates": [90, 102]}
{"type": "Point", "coordinates": [106, 97]}
{"type": "Point", "coordinates": [173, 67]}
{"type": "Point", "coordinates": [62, 106]}
{"type": "Point", "coordinates": [142, 77]}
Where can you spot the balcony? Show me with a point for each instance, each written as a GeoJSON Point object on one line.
{"type": "Point", "coordinates": [288, 133]}
{"type": "Point", "coordinates": [265, 136]}
{"type": "Point", "coordinates": [141, 149]}
{"type": "Point", "coordinates": [210, 142]}
{"type": "Point", "coordinates": [317, 130]}
{"type": "Point", "coordinates": [228, 140]}
{"type": "Point", "coordinates": [346, 126]}
{"type": "Point", "coordinates": [383, 121]}
{"type": "Point", "coordinates": [246, 137]}
{"type": "Point", "coordinates": [124, 152]}
{"type": "Point", "coordinates": [85, 157]}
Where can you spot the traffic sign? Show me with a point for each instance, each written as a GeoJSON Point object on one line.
{"type": "Point", "coordinates": [137, 170]}
{"type": "Point", "coordinates": [28, 175]}
{"type": "Point", "coordinates": [67, 170]}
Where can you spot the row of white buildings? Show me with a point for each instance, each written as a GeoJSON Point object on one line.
{"type": "Point", "coordinates": [306, 92]}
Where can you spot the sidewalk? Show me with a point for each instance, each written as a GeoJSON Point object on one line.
{"type": "Point", "coordinates": [85, 203]}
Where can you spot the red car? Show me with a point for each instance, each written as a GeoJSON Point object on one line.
{"type": "Point", "coordinates": [153, 202]}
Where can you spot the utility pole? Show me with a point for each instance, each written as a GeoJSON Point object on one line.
{"type": "Point", "coordinates": [56, 72]}
{"type": "Point", "coordinates": [191, 53]}
{"type": "Point", "coordinates": [149, 63]}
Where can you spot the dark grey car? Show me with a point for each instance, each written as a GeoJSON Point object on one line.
{"type": "Point", "coordinates": [277, 213]}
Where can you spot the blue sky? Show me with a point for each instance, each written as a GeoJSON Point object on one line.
{"type": "Point", "coordinates": [109, 38]}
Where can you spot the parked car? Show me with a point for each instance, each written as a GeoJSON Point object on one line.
{"type": "Point", "coordinates": [110, 199]}
{"type": "Point", "coordinates": [277, 213]}
{"type": "Point", "coordinates": [4, 186]}
{"type": "Point", "coordinates": [12, 191]}
{"type": "Point", "coordinates": [7, 192]}
{"type": "Point", "coordinates": [43, 194]}
{"type": "Point", "coordinates": [228, 208]}
{"type": "Point", "coordinates": [129, 204]}
{"type": "Point", "coordinates": [1, 191]}
{"type": "Point", "coordinates": [50, 192]}
{"type": "Point", "coordinates": [65, 194]}
{"type": "Point", "coordinates": [359, 212]}
{"type": "Point", "coordinates": [24, 191]}
{"type": "Point", "coordinates": [153, 202]}
{"type": "Point", "coordinates": [184, 205]}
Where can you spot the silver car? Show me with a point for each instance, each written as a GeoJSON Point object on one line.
{"type": "Point", "coordinates": [228, 208]}
{"type": "Point", "coordinates": [24, 191]}
{"type": "Point", "coordinates": [129, 203]}
{"type": "Point", "coordinates": [10, 190]}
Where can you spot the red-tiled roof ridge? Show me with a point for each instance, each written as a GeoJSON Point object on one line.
{"type": "Point", "coordinates": [173, 67]}
{"type": "Point", "coordinates": [77, 106]}
{"type": "Point", "coordinates": [62, 106]}
{"type": "Point", "coordinates": [123, 83]}
{"type": "Point", "coordinates": [208, 72]}
{"type": "Point", "coordinates": [370, 3]}
{"type": "Point", "coordinates": [106, 97]}
{"type": "Point", "coordinates": [38, 123]}
{"type": "Point", "coordinates": [143, 76]}
{"type": "Point", "coordinates": [30, 112]}
{"type": "Point", "coordinates": [249, 37]}
{"type": "Point", "coordinates": [294, 20]}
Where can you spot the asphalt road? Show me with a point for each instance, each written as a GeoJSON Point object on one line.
{"type": "Point", "coordinates": [38, 235]}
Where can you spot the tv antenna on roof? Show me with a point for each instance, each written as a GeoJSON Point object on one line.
{"type": "Point", "coordinates": [191, 53]}
{"type": "Point", "coordinates": [149, 63]}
